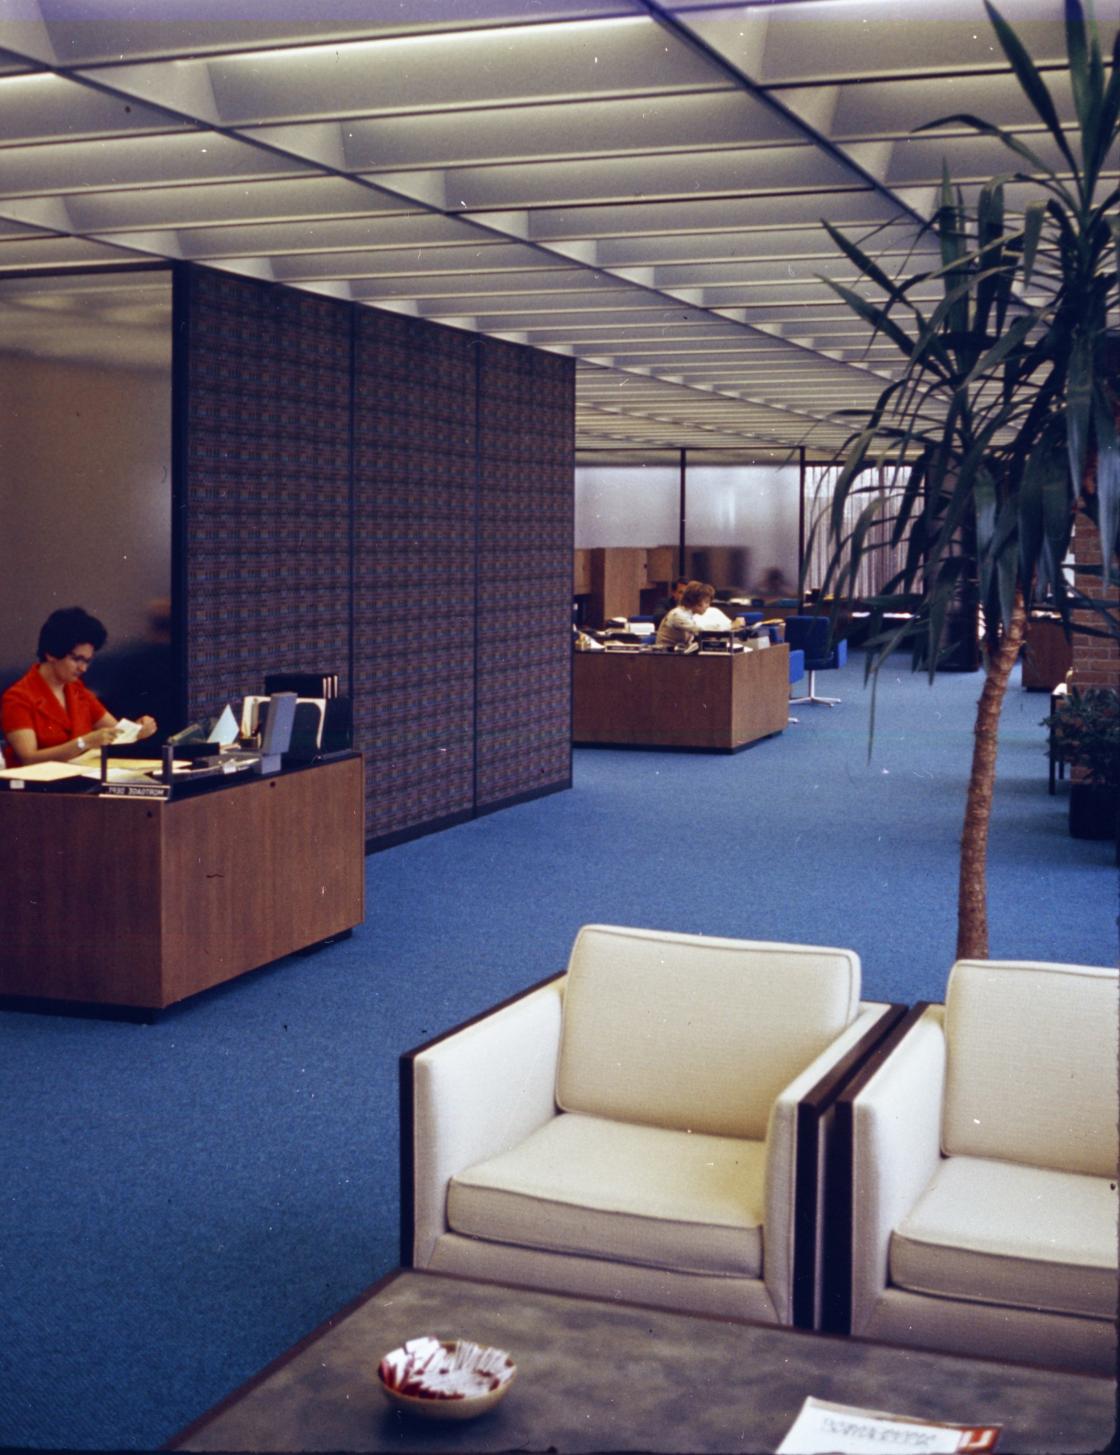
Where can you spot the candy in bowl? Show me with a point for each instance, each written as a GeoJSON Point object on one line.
{"type": "Point", "coordinates": [445, 1379]}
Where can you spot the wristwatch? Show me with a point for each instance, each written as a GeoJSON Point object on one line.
{"type": "Point", "coordinates": [81, 744]}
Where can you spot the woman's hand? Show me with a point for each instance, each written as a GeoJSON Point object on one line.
{"type": "Point", "coordinates": [100, 736]}
{"type": "Point", "coordinates": [147, 727]}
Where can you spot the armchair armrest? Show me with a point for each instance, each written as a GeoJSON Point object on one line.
{"type": "Point", "coordinates": [797, 1137]}
{"type": "Point", "coordinates": [893, 1118]}
{"type": "Point", "coordinates": [471, 1094]}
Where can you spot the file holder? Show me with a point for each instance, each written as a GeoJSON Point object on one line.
{"type": "Point", "coordinates": [276, 734]}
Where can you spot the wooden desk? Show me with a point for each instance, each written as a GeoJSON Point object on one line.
{"type": "Point", "coordinates": [712, 700]}
{"type": "Point", "coordinates": [135, 902]}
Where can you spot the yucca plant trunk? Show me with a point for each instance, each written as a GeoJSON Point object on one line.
{"type": "Point", "coordinates": [972, 893]}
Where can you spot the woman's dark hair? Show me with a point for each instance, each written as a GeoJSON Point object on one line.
{"type": "Point", "coordinates": [67, 628]}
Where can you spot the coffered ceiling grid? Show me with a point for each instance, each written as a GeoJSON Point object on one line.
{"type": "Point", "coordinates": [636, 183]}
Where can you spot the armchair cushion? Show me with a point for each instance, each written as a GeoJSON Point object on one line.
{"type": "Point", "coordinates": [1024, 1237]}
{"type": "Point", "coordinates": [638, 1194]}
{"type": "Point", "coordinates": [1032, 1065]}
{"type": "Point", "coordinates": [695, 1034]}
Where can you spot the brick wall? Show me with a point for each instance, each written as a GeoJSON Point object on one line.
{"type": "Point", "coordinates": [1096, 660]}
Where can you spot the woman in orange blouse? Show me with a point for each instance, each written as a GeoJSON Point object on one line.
{"type": "Point", "coordinates": [50, 714]}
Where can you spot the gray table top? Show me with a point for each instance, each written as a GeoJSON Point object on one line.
{"type": "Point", "coordinates": [598, 1376]}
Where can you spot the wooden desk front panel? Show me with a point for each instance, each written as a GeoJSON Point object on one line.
{"type": "Point", "coordinates": [254, 873]}
{"type": "Point", "coordinates": [661, 700]}
{"type": "Point", "coordinates": [126, 901]}
{"type": "Point", "coordinates": [80, 897]}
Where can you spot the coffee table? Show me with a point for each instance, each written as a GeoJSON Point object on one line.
{"type": "Point", "coordinates": [597, 1376]}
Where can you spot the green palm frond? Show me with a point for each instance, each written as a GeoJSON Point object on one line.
{"type": "Point", "coordinates": [1003, 413]}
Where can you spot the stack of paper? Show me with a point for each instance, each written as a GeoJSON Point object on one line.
{"type": "Point", "coordinates": [822, 1428]}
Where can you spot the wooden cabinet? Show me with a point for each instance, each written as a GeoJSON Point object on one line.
{"type": "Point", "coordinates": [1047, 653]}
{"type": "Point", "coordinates": [617, 573]}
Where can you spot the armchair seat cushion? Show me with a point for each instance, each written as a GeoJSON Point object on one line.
{"type": "Point", "coordinates": [1003, 1233]}
{"type": "Point", "coordinates": [587, 1185]}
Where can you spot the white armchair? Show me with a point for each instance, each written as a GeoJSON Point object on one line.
{"type": "Point", "coordinates": [983, 1200]}
{"type": "Point", "coordinates": [648, 1127]}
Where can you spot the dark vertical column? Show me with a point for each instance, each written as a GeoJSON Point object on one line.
{"type": "Point", "coordinates": [801, 473]}
{"type": "Point", "coordinates": [180, 449]}
{"type": "Point", "coordinates": [415, 577]}
{"type": "Point", "coordinates": [682, 507]}
{"type": "Point", "coordinates": [526, 489]}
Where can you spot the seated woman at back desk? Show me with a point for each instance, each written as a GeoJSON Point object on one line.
{"type": "Point", "coordinates": [693, 615]}
{"type": "Point", "coordinates": [680, 626]}
{"type": "Point", "coordinates": [50, 715]}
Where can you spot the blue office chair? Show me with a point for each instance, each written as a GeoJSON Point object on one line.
{"type": "Point", "coordinates": [810, 634]}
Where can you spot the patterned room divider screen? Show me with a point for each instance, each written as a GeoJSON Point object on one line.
{"type": "Point", "coordinates": [367, 493]}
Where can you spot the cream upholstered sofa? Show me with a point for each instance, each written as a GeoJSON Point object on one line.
{"type": "Point", "coordinates": [649, 1126]}
{"type": "Point", "coordinates": [984, 1170]}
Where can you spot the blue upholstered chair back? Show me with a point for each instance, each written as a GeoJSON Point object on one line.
{"type": "Point", "coordinates": [796, 664]}
{"type": "Point", "coordinates": [810, 633]}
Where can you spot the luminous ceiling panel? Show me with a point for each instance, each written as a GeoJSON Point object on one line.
{"type": "Point", "coordinates": [638, 183]}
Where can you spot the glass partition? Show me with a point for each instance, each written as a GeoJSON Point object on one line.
{"type": "Point", "coordinates": [741, 526]}
{"type": "Point", "coordinates": [85, 458]}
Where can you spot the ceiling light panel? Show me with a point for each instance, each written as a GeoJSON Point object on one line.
{"type": "Point", "coordinates": [875, 109]}
{"type": "Point", "coordinates": [851, 205]}
{"type": "Point", "coordinates": [151, 161]}
{"type": "Point", "coordinates": [972, 159]}
{"type": "Point", "coordinates": [45, 251]}
{"type": "Point", "coordinates": [318, 233]}
{"type": "Point", "coordinates": [720, 173]}
{"type": "Point", "coordinates": [824, 40]}
{"type": "Point", "coordinates": [85, 31]}
{"type": "Point", "coordinates": [618, 127]}
{"type": "Point", "coordinates": [494, 289]}
{"type": "Point", "coordinates": [530, 305]}
{"type": "Point", "coordinates": [450, 71]}
{"type": "Point", "coordinates": [430, 263]}
{"type": "Point", "coordinates": [184, 206]}
{"type": "Point", "coordinates": [46, 107]}
{"type": "Point", "coordinates": [777, 249]}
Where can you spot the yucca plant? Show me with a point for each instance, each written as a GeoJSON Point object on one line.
{"type": "Point", "coordinates": [1003, 421]}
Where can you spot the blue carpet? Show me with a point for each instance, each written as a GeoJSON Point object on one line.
{"type": "Point", "coordinates": [181, 1202]}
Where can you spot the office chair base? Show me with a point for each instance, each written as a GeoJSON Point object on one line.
{"type": "Point", "coordinates": [817, 701]}
{"type": "Point", "coordinates": [812, 697]}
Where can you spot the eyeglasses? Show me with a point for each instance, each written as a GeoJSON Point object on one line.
{"type": "Point", "coordinates": [78, 660]}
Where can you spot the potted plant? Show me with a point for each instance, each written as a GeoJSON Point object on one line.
{"type": "Point", "coordinates": [1004, 420]}
{"type": "Point", "coordinates": [1086, 728]}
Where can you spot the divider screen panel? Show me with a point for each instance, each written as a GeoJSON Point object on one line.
{"type": "Point", "coordinates": [414, 576]}
{"type": "Point", "coordinates": [266, 512]}
{"type": "Point", "coordinates": [526, 472]}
